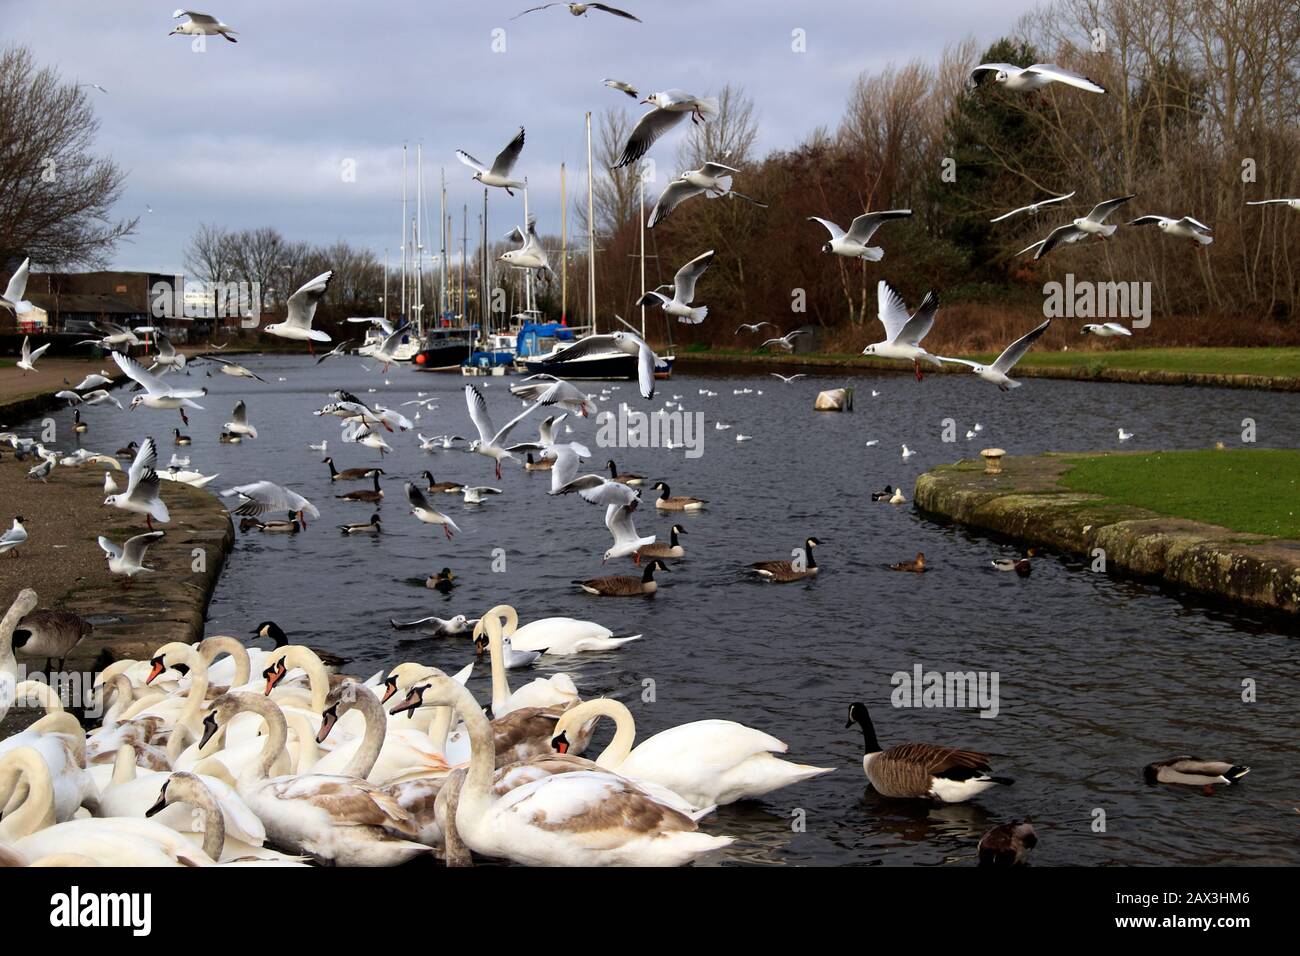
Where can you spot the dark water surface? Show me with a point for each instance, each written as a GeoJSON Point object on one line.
{"type": "Point", "coordinates": [1097, 675]}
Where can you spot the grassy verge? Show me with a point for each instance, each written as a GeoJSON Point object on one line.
{"type": "Point", "coordinates": [1256, 491]}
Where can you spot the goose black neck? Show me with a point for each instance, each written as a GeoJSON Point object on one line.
{"type": "Point", "coordinates": [809, 560]}
{"type": "Point", "coordinates": [870, 745]}
{"type": "Point", "coordinates": [649, 574]}
{"type": "Point", "coordinates": [672, 537]}
{"type": "Point", "coordinates": [613, 469]}
{"type": "Point", "coordinates": [664, 492]}
{"type": "Point", "coordinates": [330, 462]}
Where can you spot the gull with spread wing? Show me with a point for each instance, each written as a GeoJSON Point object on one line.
{"type": "Point", "coordinates": [498, 174]}
{"type": "Point", "coordinates": [670, 106]}
{"type": "Point", "coordinates": [157, 394]}
{"type": "Point", "coordinates": [627, 342]}
{"type": "Point", "coordinates": [1093, 224]}
{"type": "Point", "coordinates": [142, 487]}
{"type": "Point", "coordinates": [1032, 207]}
{"type": "Point", "coordinates": [13, 296]}
{"type": "Point", "coordinates": [1186, 228]}
{"type": "Point", "coordinates": [490, 442]}
{"type": "Point", "coordinates": [201, 24]}
{"type": "Point", "coordinates": [425, 512]}
{"type": "Point", "coordinates": [262, 497]}
{"type": "Point", "coordinates": [580, 9]}
{"type": "Point", "coordinates": [712, 179]}
{"type": "Point", "coordinates": [302, 310]}
{"type": "Point", "coordinates": [1028, 78]}
{"type": "Point", "coordinates": [128, 560]}
{"type": "Point", "coordinates": [1013, 353]}
{"type": "Point", "coordinates": [853, 244]}
{"type": "Point", "coordinates": [238, 424]}
{"type": "Point", "coordinates": [683, 292]}
{"type": "Point", "coordinates": [27, 360]}
{"type": "Point", "coordinates": [903, 334]}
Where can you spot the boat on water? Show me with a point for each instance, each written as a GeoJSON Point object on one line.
{"type": "Point", "coordinates": [445, 350]}
{"type": "Point", "coordinates": [611, 366]}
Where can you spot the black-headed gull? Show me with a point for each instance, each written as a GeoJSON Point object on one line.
{"type": "Point", "coordinates": [201, 24]}
{"type": "Point", "coordinates": [13, 296]}
{"type": "Point", "coordinates": [156, 393]}
{"type": "Point", "coordinates": [853, 243]}
{"type": "Point", "coordinates": [301, 310]}
{"type": "Point", "coordinates": [1292, 203]}
{"type": "Point", "coordinates": [622, 87]}
{"type": "Point", "coordinates": [498, 174]}
{"type": "Point", "coordinates": [580, 9]}
{"type": "Point", "coordinates": [1185, 228]}
{"type": "Point", "coordinates": [1028, 78]}
{"type": "Point", "coordinates": [15, 536]}
{"type": "Point", "coordinates": [425, 512]}
{"type": "Point", "coordinates": [757, 326]}
{"type": "Point", "coordinates": [903, 334]}
{"type": "Point", "coordinates": [27, 360]}
{"type": "Point", "coordinates": [997, 372]}
{"type": "Point", "coordinates": [1093, 224]}
{"type": "Point", "coordinates": [1032, 207]}
{"type": "Point", "coordinates": [238, 424]}
{"type": "Point", "coordinates": [128, 560]}
{"type": "Point", "coordinates": [670, 106]}
{"type": "Point", "coordinates": [620, 341]}
{"type": "Point", "coordinates": [142, 488]}
{"type": "Point", "coordinates": [113, 335]}
{"type": "Point", "coordinates": [683, 292]}
{"type": "Point", "coordinates": [785, 342]}
{"type": "Point", "coordinates": [712, 179]}
{"type": "Point", "coordinates": [261, 497]}
{"type": "Point", "coordinates": [531, 254]}
{"type": "Point", "coordinates": [1106, 330]}
{"type": "Point", "coordinates": [490, 441]}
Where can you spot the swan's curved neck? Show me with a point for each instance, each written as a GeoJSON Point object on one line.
{"type": "Point", "coordinates": [575, 718]}
{"type": "Point", "coordinates": [277, 735]}
{"type": "Point", "coordinates": [308, 750]}
{"type": "Point", "coordinates": [298, 655]}
{"type": "Point", "coordinates": [23, 605]}
{"type": "Point", "coordinates": [36, 812]}
{"type": "Point", "coordinates": [210, 648]}
{"type": "Point", "coordinates": [476, 795]}
{"type": "Point", "coordinates": [440, 727]}
{"type": "Point", "coordinates": [367, 752]}
{"type": "Point", "coordinates": [491, 624]}
{"type": "Point", "coordinates": [39, 692]}
{"type": "Point", "coordinates": [186, 788]}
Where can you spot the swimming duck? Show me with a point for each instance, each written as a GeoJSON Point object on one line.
{"type": "Point", "coordinates": [443, 581]}
{"type": "Point", "coordinates": [667, 502]}
{"type": "Point", "coordinates": [786, 571]}
{"type": "Point", "coordinates": [897, 497]}
{"type": "Point", "coordinates": [883, 495]}
{"type": "Point", "coordinates": [618, 585]}
{"type": "Point", "coordinates": [292, 525]}
{"type": "Point", "coordinates": [916, 565]}
{"type": "Point", "coordinates": [227, 438]}
{"type": "Point", "coordinates": [1007, 844]}
{"type": "Point", "coordinates": [369, 527]}
{"type": "Point", "coordinates": [1019, 565]}
{"type": "Point", "coordinates": [1193, 771]}
{"type": "Point", "coordinates": [673, 549]}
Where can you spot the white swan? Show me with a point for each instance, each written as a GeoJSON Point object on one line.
{"type": "Point", "coordinates": [22, 605]}
{"type": "Point", "coordinates": [705, 761]}
{"type": "Point", "coordinates": [561, 635]}
{"type": "Point", "coordinates": [213, 805]}
{"type": "Point", "coordinates": [583, 818]}
{"type": "Point", "coordinates": [57, 738]}
{"type": "Point", "coordinates": [382, 754]}
{"type": "Point", "coordinates": [557, 690]}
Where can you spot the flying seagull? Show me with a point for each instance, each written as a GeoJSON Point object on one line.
{"type": "Point", "coordinates": [788, 378]}
{"type": "Point", "coordinates": [128, 560]}
{"type": "Point", "coordinates": [580, 9]}
{"type": "Point", "coordinates": [683, 292]}
{"type": "Point", "coordinates": [1032, 207]}
{"type": "Point", "coordinates": [755, 327]}
{"type": "Point", "coordinates": [234, 369]}
{"type": "Point", "coordinates": [1293, 203]}
{"type": "Point", "coordinates": [853, 243]}
{"type": "Point", "coordinates": [1105, 331]}
{"type": "Point", "coordinates": [712, 179]}
{"type": "Point", "coordinates": [13, 297]}
{"type": "Point", "coordinates": [490, 440]}
{"type": "Point", "coordinates": [142, 487]}
{"type": "Point", "coordinates": [622, 87]}
{"type": "Point", "coordinates": [669, 108]}
{"type": "Point", "coordinates": [201, 24]}
{"type": "Point", "coordinates": [340, 349]}
{"type": "Point", "coordinates": [425, 512]}
{"type": "Point", "coordinates": [620, 341]}
{"type": "Point", "coordinates": [156, 393]}
{"type": "Point", "coordinates": [1013, 353]}
{"type": "Point", "coordinates": [261, 497]}
{"type": "Point", "coordinates": [1093, 224]}
{"type": "Point", "coordinates": [531, 255]}
{"type": "Point", "coordinates": [1025, 79]}
{"type": "Point", "coordinates": [785, 342]}
{"type": "Point", "coordinates": [238, 425]}
{"type": "Point", "coordinates": [302, 309]}
{"type": "Point", "coordinates": [499, 173]}
{"type": "Point", "coordinates": [1185, 228]}
{"type": "Point", "coordinates": [903, 335]}
{"type": "Point", "coordinates": [27, 361]}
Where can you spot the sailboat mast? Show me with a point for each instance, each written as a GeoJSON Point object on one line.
{"type": "Point", "coordinates": [403, 232]}
{"type": "Point", "coordinates": [564, 250]}
{"type": "Point", "coordinates": [442, 260]}
{"type": "Point", "coordinates": [528, 273]}
{"type": "Point", "coordinates": [464, 253]}
{"type": "Point", "coordinates": [419, 239]}
{"type": "Point", "coordinates": [385, 285]}
{"type": "Point", "coordinates": [591, 233]}
{"type": "Point", "coordinates": [486, 271]}
{"type": "Point", "coordinates": [641, 222]}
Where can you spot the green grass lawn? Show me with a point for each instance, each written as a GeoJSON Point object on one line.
{"type": "Point", "coordinates": [1256, 491]}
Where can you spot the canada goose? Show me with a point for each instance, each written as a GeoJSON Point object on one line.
{"type": "Point", "coordinates": [673, 549]}
{"type": "Point", "coordinates": [347, 474]}
{"type": "Point", "coordinates": [368, 495]}
{"type": "Point", "coordinates": [786, 571]}
{"type": "Point", "coordinates": [883, 495]}
{"type": "Point", "coordinates": [441, 487]}
{"type": "Point", "coordinates": [916, 565]}
{"type": "Point", "coordinates": [180, 439]}
{"type": "Point", "coordinates": [50, 634]}
{"type": "Point", "coordinates": [922, 770]}
{"type": "Point", "coordinates": [78, 425]}
{"type": "Point", "coordinates": [666, 501]}
{"type": "Point", "coordinates": [443, 581]}
{"type": "Point", "coordinates": [1021, 566]}
{"type": "Point", "coordinates": [1007, 844]}
{"type": "Point", "coordinates": [546, 464]}
{"type": "Point", "coordinates": [626, 478]}
{"type": "Point", "coordinates": [618, 585]}
{"type": "Point", "coordinates": [271, 630]}
{"type": "Point", "coordinates": [291, 525]}
{"type": "Point", "coordinates": [1193, 771]}
{"type": "Point", "coordinates": [369, 527]}
{"type": "Point", "coordinates": [129, 451]}
{"type": "Point", "coordinates": [227, 438]}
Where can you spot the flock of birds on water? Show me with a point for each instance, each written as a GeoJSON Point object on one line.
{"type": "Point", "coordinates": [225, 753]}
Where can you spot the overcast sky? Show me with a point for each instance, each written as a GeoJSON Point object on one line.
{"type": "Point", "coordinates": [256, 133]}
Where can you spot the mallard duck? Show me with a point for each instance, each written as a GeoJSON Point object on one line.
{"type": "Point", "coordinates": [443, 581]}
{"type": "Point", "coordinates": [916, 565]}
{"type": "Point", "coordinates": [250, 524]}
{"type": "Point", "coordinates": [531, 464]}
{"type": "Point", "coordinates": [673, 549]}
{"type": "Point", "coordinates": [1193, 771]}
{"type": "Point", "coordinates": [625, 585]}
{"type": "Point", "coordinates": [667, 502]}
{"type": "Point", "coordinates": [368, 527]}
{"type": "Point", "coordinates": [347, 474]}
{"type": "Point", "coordinates": [180, 439]}
{"type": "Point", "coordinates": [441, 487]}
{"type": "Point", "coordinates": [786, 571]}
{"type": "Point", "coordinates": [1007, 844]}
{"type": "Point", "coordinates": [291, 525]}
{"type": "Point", "coordinates": [228, 438]}
{"type": "Point", "coordinates": [368, 495]}
{"type": "Point", "coordinates": [883, 495]}
{"type": "Point", "coordinates": [922, 770]}
{"type": "Point", "coordinates": [1019, 565]}
{"type": "Point", "coordinates": [625, 478]}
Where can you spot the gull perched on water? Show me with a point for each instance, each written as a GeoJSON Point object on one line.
{"type": "Point", "coordinates": [670, 106]}
{"type": "Point", "coordinates": [853, 243]}
{"type": "Point", "coordinates": [622, 87]}
{"type": "Point", "coordinates": [13, 296]}
{"type": "Point", "coordinates": [1032, 207]}
{"type": "Point", "coordinates": [201, 24]}
{"type": "Point", "coordinates": [997, 372]}
{"type": "Point", "coordinates": [142, 487]}
{"type": "Point", "coordinates": [490, 441]}
{"type": "Point", "coordinates": [1105, 330]}
{"type": "Point", "coordinates": [128, 560]}
{"type": "Point", "coordinates": [627, 342]}
{"type": "Point", "coordinates": [1292, 203]}
{"type": "Point", "coordinates": [712, 179]}
{"type": "Point", "coordinates": [903, 335]}
{"type": "Point", "coordinates": [27, 361]}
{"type": "Point", "coordinates": [425, 512]}
{"type": "Point", "coordinates": [785, 342]}
{"type": "Point", "coordinates": [499, 173]}
{"type": "Point", "coordinates": [1123, 435]}
{"type": "Point", "coordinates": [301, 310]}
{"type": "Point", "coordinates": [1185, 228]}
{"type": "Point", "coordinates": [1093, 224]}
{"type": "Point", "coordinates": [261, 497]}
{"type": "Point", "coordinates": [238, 425]}
{"type": "Point", "coordinates": [530, 255]}
{"type": "Point", "coordinates": [1028, 78]}
{"type": "Point", "coordinates": [580, 9]}
{"type": "Point", "coordinates": [15, 536]}
{"type": "Point", "coordinates": [157, 394]}
{"type": "Point", "coordinates": [683, 292]}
